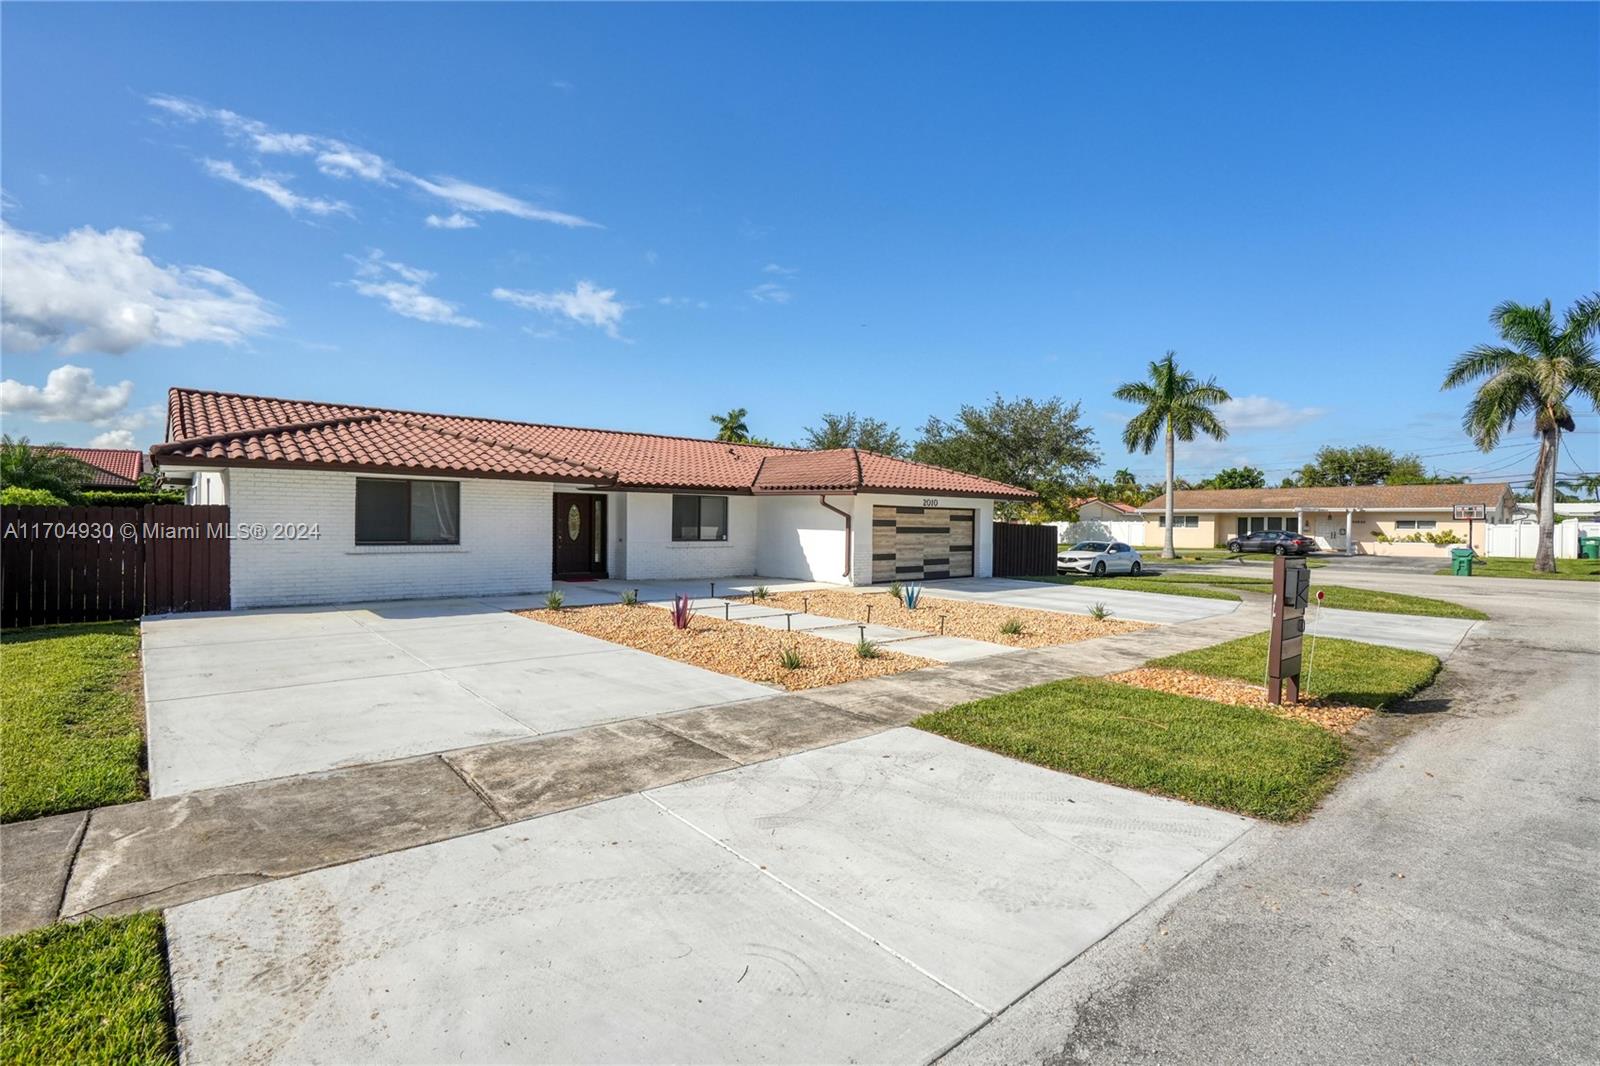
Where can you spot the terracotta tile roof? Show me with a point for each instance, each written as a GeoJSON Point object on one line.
{"type": "Point", "coordinates": [854, 470]}
{"type": "Point", "coordinates": [115, 468]}
{"type": "Point", "coordinates": [1125, 508]}
{"type": "Point", "coordinates": [1361, 497]}
{"type": "Point", "coordinates": [225, 428]}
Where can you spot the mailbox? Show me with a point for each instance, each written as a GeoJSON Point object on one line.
{"type": "Point", "coordinates": [1291, 592]}
{"type": "Point", "coordinates": [1297, 587]}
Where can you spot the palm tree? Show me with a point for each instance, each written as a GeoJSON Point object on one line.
{"type": "Point", "coordinates": [1176, 404]}
{"type": "Point", "coordinates": [1125, 486]}
{"type": "Point", "coordinates": [28, 466]}
{"type": "Point", "coordinates": [1533, 375]}
{"type": "Point", "coordinates": [731, 427]}
{"type": "Point", "coordinates": [1589, 483]}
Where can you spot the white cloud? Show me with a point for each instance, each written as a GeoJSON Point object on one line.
{"type": "Point", "coordinates": [455, 220]}
{"type": "Point", "coordinates": [338, 159]}
{"type": "Point", "coordinates": [275, 190]}
{"type": "Point", "coordinates": [98, 292]}
{"type": "Point", "coordinates": [564, 86]}
{"type": "Point", "coordinates": [1263, 412]}
{"type": "Point", "coordinates": [69, 395]}
{"type": "Point", "coordinates": [770, 292]}
{"type": "Point", "coordinates": [405, 296]}
{"type": "Point", "coordinates": [585, 304]}
{"type": "Point", "coordinates": [465, 196]}
{"type": "Point", "coordinates": [781, 271]}
{"type": "Point", "coordinates": [681, 301]}
{"type": "Point", "coordinates": [112, 438]}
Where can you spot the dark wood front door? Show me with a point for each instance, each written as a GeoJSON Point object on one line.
{"type": "Point", "coordinates": [580, 535]}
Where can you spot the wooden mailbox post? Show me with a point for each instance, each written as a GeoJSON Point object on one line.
{"type": "Point", "coordinates": [1291, 588]}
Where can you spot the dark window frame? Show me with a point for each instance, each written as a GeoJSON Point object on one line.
{"type": "Point", "coordinates": [408, 542]}
{"type": "Point", "coordinates": [677, 529]}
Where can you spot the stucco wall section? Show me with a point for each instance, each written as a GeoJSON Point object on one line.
{"type": "Point", "coordinates": [505, 543]}
{"type": "Point", "coordinates": [799, 538]}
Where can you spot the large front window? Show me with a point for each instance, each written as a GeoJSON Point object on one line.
{"type": "Point", "coordinates": [699, 518]}
{"type": "Point", "coordinates": [392, 511]}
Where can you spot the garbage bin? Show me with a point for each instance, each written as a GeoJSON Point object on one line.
{"type": "Point", "coordinates": [1461, 562]}
{"type": "Point", "coordinates": [1589, 547]}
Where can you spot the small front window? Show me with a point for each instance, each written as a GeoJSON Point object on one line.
{"type": "Point", "coordinates": [699, 518]}
{"type": "Point", "coordinates": [1180, 521]}
{"type": "Point", "coordinates": [395, 511]}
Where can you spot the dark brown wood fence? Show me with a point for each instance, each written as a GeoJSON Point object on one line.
{"type": "Point", "coordinates": [1021, 550]}
{"type": "Point", "coordinates": [97, 564]}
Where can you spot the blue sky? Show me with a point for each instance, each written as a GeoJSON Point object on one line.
{"type": "Point", "coordinates": [635, 216]}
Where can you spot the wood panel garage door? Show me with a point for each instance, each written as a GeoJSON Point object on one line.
{"type": "Point", "coordinates": [917, 543]}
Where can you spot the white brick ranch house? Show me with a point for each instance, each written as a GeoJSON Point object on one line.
{"type": "Point", "coordinates": [405, 504]}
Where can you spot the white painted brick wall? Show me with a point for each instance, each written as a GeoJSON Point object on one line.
{"type": "Point", "coordinates": [651, 552]}
{"type": "Point", "coordinates": [505, 543]}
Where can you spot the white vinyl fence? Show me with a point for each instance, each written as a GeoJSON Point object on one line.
{"type": "Point", "coordinates": [1520, 540]}
{"type": "Point", "coordinates": [1127, 531]}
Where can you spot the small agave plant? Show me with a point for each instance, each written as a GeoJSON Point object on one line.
{"type": "Point", "coordinates": [913, 596]}
{"type": "Point", "coordinates": [553, 600]}
{"type": "Point", "coordinates": [680, 612]}
{"type": "Point", "coordinates": [630, 598]}
{"type": "Point", "coordinates": [898, 591]}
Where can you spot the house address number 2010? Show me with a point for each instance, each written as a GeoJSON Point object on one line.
{"type": "Point", "coordinates": [929, 503]}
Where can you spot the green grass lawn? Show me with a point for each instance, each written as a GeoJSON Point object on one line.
{"type": "Point", "coordinates": [1566, 569]}
{"type": "Point", "coordinates": [1139, 584]}
{"type": "Point", "coordinates": [1193, 556]}
{"type": "Point", "coordinates": [1215, 586]}
{"type": "Point", "coordinates": [1363, 675]}
{"type": "Point", "coordinates": [93, 991]}
{"type": "Point", "coordinates": [1236, 758]}
{"type": "Point", "coordinates": [70, 737]}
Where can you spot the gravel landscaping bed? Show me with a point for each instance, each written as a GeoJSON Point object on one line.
{"type": "Point", "coordinates": [733, 648]}
{"type": "Point", "coordinates": [1335, 717]}
{"type": "Point", "coordinates": [962, 618]}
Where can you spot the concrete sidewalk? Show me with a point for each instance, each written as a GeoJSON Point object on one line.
{"type": "Point", "coordinates": [160, 852]}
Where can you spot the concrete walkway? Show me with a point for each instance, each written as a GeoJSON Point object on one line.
{"type": "Point", "coordinates": [165, 851]}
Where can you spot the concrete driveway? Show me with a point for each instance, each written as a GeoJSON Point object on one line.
{"type": "Point", "coordinates": [1436, 636]}
{"type": "Point", "coordinates": [252, 695]}
{"type": "Point", "coordinates": [1070, 599]}
{"type": "Point", "coordinates": [872, 901]}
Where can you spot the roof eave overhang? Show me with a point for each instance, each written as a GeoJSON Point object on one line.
{"type": "Point", "coordinates": [208, 463]}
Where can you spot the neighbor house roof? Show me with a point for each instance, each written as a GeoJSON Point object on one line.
{"type": "Point", "coordinates": [114, 468]}
{"type": "Point", "coordinates": [1125, 508]}
{"type": "Point", "coordinates": [226, 429]}
{"type": "Point", "coordinates": [1336, 498]}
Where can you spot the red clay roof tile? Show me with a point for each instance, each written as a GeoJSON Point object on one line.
{"type": "Point", "coordinates": [117, 468]}
{"type": "Point", "coordinates": [228, 428]}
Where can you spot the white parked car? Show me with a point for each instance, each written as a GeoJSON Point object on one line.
{"type": "Point", "coordinates": [1099, 557]}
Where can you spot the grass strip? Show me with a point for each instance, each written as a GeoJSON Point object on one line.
{"type": "Point", "coordinates": [93, 992]}
{"type": "Point", "coordinates": [71, 734]}
{"type": "Point", "coordinates": [1139, 584]}
{"type": "Point", "coordinates": [1235, 758]}
{"type": "Point", "coordinates": [1365, 675]}
{"type": "Point", "coordinates": [1566, 569]}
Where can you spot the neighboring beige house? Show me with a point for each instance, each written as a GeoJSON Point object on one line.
{"type": "Point", "coordinates": [1094, 509]}
{"type": "Point", "coordinates": [1348, 519]}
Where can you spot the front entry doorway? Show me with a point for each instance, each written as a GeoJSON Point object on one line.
{"type": "Point", "coordinates": [580, 536]}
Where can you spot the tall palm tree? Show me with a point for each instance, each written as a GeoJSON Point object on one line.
{"type": "Point", "coordinates": [1533, 375]}
{"type": "Point", "coordinates": [731, 427]}
{"type": "Point", "coordinates": [1176, 405]}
